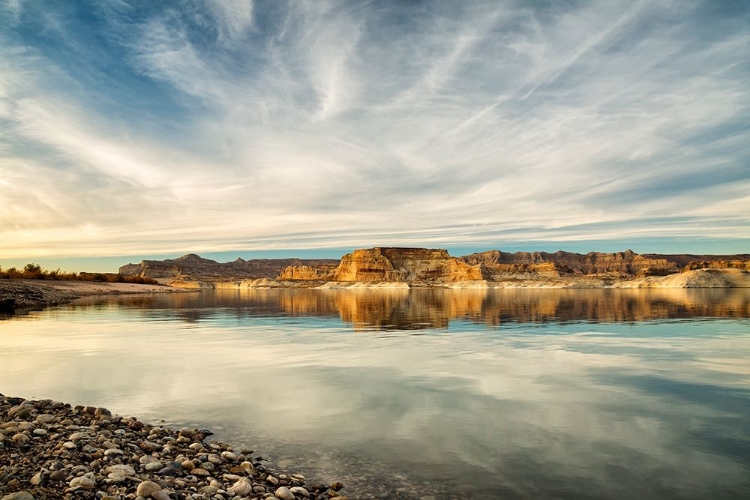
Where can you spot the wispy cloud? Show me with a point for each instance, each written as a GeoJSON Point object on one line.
{"type": "Point", "coordinates": [133, 128]}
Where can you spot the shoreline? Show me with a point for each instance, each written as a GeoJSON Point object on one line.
{"type": "Point", "coordinates": [700, 278]}
{"type": "Point", "coordinates": [20, 296]}
{"type": "Point", "coordinates": [51, 450]}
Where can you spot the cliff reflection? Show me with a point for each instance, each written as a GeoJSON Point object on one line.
{"type": "Point", "coordinates": [402, 309]}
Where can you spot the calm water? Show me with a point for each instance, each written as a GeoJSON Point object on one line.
{"type": "Point", "coordinates": [425, 393]}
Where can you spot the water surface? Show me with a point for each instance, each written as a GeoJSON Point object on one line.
{"type": "Point", "coordinates": [425, 393]}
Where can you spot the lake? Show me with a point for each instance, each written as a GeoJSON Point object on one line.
{"type": "Point", "coordinates": [431, 394]}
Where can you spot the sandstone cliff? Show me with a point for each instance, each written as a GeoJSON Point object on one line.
{"type": "Point", "coordinates": [321, 273]}
{"type": "Point", "coordinates": [618, 264]}
{"type": "Point", "coordinates": [419, 266]}
{"type": "Point", "coordinates": [389, 267]}
{"type": "Point", "coordinates": [717, 264]}
{"type": "Point", "coordinates": [193, 267]}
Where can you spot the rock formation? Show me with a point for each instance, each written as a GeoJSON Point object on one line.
{"type": "Point", "coordinates": [430, 267]}
{"type": "Point", "coordinates": [320, 273]}
{"type": "Point", "coordinates": [411, 265]}
{"type": "Point", "coordinates": [618, 264]}
{"type": "Point", "coordinates": [717, 264]}
{"type": "Point", "coordinates": [193, 267]}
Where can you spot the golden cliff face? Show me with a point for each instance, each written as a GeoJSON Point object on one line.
{"type": "Point", "coordinates": [718, 264]}
{"type": "Point", "coordinates": [543, 264]}
{"type": "Point", "coordinates": [323, 273]}
{"type": "Point", "coordinates": [367, 266]}
{"type": "Point", "coordinates": [413, 265]}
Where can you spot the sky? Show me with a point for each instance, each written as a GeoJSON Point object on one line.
{"type": "Point", "coordinates": [135, 129]}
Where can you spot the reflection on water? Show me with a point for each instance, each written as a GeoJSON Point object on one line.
{"type": "Point", "coordinates": [503, 394]}
{"type": "Point", "coordinates": [402, 309]}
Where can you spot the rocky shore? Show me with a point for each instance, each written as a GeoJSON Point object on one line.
{"type": "Point", "coordinates": [50, 450]}
{"type": "Point", "coordinates": [19, 296]}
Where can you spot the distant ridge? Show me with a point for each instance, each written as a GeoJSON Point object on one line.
{"type": "Point", "coordinates": [423, 266]}
{"type": "Point", "coordinates": [195, 267]}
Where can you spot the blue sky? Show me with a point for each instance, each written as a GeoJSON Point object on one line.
{"type": "Point", "coordinates": [225, 127]}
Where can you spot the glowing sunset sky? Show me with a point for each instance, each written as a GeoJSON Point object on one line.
{"type": "Point", "coordinates": [226, 127]}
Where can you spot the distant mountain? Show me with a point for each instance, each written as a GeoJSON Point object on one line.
{"type": "Point", "coordinates": [423, 266]}
{"type": "Point", "coordinates": [195, 267]}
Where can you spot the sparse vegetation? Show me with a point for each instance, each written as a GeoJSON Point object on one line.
{"type": "Point", "coordinates": [32, 271]}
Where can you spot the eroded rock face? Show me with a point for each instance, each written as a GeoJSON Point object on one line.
{"type": "Point", "coordinates": [718, 264]}
{"type": "Point", "coordinates": [626, 263]}
{"type": "Point", "coordinates": [412, 265]}
{"type": "Point", "coordinates": [321, 273]}
{"type": "Point", "coordinates": [193, 267]}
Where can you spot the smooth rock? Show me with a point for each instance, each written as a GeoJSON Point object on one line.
{"type": "Point", "coordinates": [20, 439]}
{"type": "Point", "coordinates": [242, 487]}
{"type": "Point", "coordinates": [82, 482]}
{"type": "Point", "coordinates": [58, 475]}
{"type": "Point", "coordinates": [44, 418]}
{"type": "Point", "coordinates": [160, 495]}
{"type": "Point", "coordinates": [123, 470]}
{"type": "Point", "coordinates": [284, 493]}
{"type": "Point", "coordinates": [21, 495]}
{"type": "Point", "coordinates": [299, 490]}
{"type": "Point", "coordinates": [147, 488]}
{"type": "Point", "coordinates": [40, 432]}
{"type": "Point", "coordinates": [272, 480]}
{"type": "Point", "coordinates": [153, 466]}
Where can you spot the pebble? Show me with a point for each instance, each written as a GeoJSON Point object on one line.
{"type": "Point", "coordinates": [283, 493]}
{"type": "Point", "coordinates": [83, 482]}
{"type": "Point", "coordinates": [21, 495]}
{"type": "Point", "coordinates": [299, 490]}
{"type": "Point", "coordinates": [153, 466]}
{"type": "Point", "coordinates": [147, 488]}
{"type": "Point", "coordinates": [86, 452]}
{"type": "Point", "coordinates": [20, 439]}
{"type": "Point", "coordinates": [123, 470]}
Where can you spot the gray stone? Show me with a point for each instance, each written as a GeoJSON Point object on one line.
{"type": "Point", "coordinates": [153, 466]}
{"type": "Point", "coordinates": [58, 475]}
{"type": "Point", "coordinates": [82, 482]}
{"type": "Point", "coordinates": [123, 470]}
{"type": "Point", "coordinates": [45, 418]}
